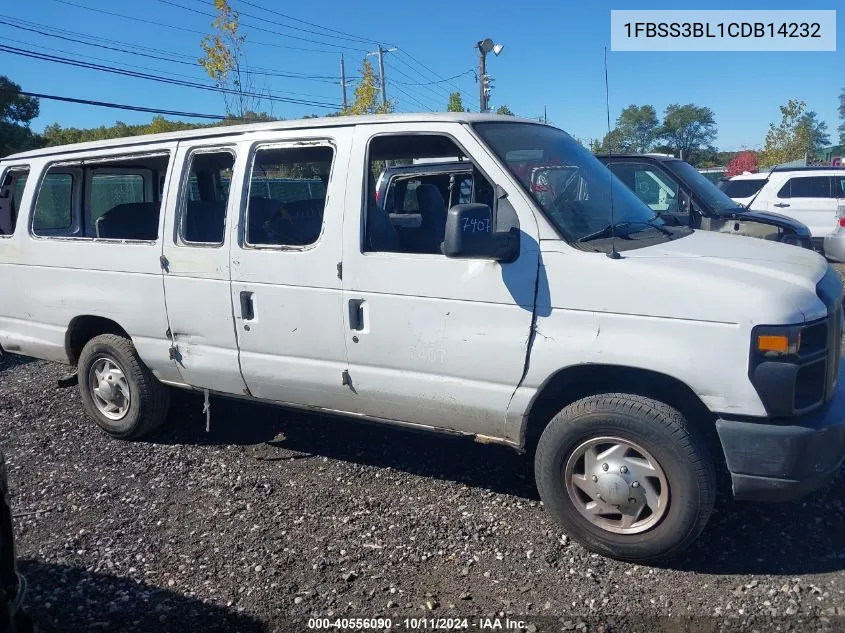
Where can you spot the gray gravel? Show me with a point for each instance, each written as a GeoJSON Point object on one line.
{"type": "Point", "coordinates": [276, 516]}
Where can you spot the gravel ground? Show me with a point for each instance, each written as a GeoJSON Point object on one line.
{"type": "Point", "coordinates": [275, 516]}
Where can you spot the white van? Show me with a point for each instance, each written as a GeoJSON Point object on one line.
{"type": "Point", "coordinates": [638, 359]}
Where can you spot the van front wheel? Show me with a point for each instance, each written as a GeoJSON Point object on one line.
{"type": "Point", "coordinates": [626, 476]}
{"type": "Point", "coordinates": [118, 391]}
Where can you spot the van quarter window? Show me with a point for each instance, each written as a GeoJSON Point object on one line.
{"type": "Point", "coordinates": [113, 198]}
{"type": "Point", "coordinates": [419, 224]}
{"type": "Point", "coordinates": [11, 193]}
{"type": "Point", "coordinates": [205, 197]}
{"type": "Point", "coordinates": [287, 195]}
{"type": "Point", "coordinates": [54, 207]}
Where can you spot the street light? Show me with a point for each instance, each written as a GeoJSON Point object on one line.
{"type": "Point", "coordinates": [485, 46]}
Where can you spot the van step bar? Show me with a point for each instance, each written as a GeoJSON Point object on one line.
{"type": "Point", "coordinates": [68, 381]}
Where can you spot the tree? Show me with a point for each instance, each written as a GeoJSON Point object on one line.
{"type": "Point", "coordinates": [612, 143]}
{"type": "Point", "coordinates": [16, 113]}
{"type": "Point", "coordinates": [798, 135]}
{"type": "Point", "coordinates": [688, 129]}
{"type": "Point", "coordinates": [505, 110]}
{"type": "Point", "coordinates": [742, 162]}
{"type": "Point", "coordinates": [638, 127]}
{"type": "Point", "coordinates": [224, 61]}
{"type": "Point", "coordinates": [456, 104]}
{"type": "Point", "coordinates": [367, 92]}
{"type": "Point", "coordinates": [812, 132]}
{"type": "Point", "coordinates": [842, 117]}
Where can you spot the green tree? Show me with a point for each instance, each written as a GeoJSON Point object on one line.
{"type": "Point", "coordinates": [366, 99]}
{"type": "Point", "coordinates": [842, 117]}
{"type": "Point", "coordinates": [456, 104]}
{"type": "Point", "coordinates": [16, 113]}
{"type": "Point", "coordinates": [503, 109]}
{"type": "Point", "coordinates": [688, 129]}
{"type": "Point", "coordinates": [812, 132]}
{"type": "Point", "coordinates": [798, 135]}
{"type": "Point", "coordinates": [225, 62]}
{"type": "Point", "coordinates": [638, 127]}
{"type": "Point", "coordinates": [612, 143]}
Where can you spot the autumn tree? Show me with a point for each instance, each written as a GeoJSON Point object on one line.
{"type": "Point", "coordinates": [688, 129]}
{"type": "Point", "coordinates": [456, 103]}
{"type": "Point", "coordinates": [612, 143]}
{"type": "Point", "coordinates": [638, 128]}
{"type": "Point", "coordinates": [742, 162]}
{"type": "Point", "coordinates": [225, 62]}
{"type": "Point", "coordinates": [798, 135]}
{"type": "Point", "coordinates": [16, 113]}
{"type": "Point", "coordinates": [367, 93]}
{"type": "Point", "coordinates": [505, 110]}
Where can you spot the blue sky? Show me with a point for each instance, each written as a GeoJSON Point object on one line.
{"type": "Point", "coordinates": [553, 57]}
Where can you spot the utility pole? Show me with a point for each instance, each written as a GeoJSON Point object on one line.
{"type": "Point", "coordinates": [482, 83]}
{"type": "Point", "coordinates": [343, 81]}
{"type": "Point", "coordinates": [545, 114]}
{"type": "Point", "coordinates": [485, 46]}
{"type": "Point", "coordinates": [380, 52]}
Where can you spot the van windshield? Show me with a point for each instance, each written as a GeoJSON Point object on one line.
{"type": "Point", "coordinates": [716, 199]}
{"type": "Point", "coordinates": [571, 186]}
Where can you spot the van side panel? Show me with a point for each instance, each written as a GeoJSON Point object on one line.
{"type": "Point", "coordinates": [46, 282]}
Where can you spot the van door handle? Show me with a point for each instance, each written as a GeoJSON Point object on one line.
{"type": "Point", "coordinates": [780, 205]}
{"type": "Point", "coordinates": [356, 314]}
{"type": "Point", "coordinates": [247, 307]}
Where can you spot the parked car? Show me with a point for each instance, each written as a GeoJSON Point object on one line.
{"type": "Point", "coordinates": [680, 194]}
{"type": "Point", "coordinates": [812, 195]}
{"type": "Point", "coordinates": [632, 357]}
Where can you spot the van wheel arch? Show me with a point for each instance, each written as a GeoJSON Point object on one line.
{"type": "Point", "coordinates": [83, 328]}
{"type": "Point", "coordinates": [579, 381]}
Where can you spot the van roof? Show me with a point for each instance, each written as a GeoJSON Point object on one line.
{"type": "Point", "coordinates": [293, 124]}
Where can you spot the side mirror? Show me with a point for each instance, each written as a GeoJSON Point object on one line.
{"type": "Point", "coordinates": [469, 233]}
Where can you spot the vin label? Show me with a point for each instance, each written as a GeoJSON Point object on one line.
{"type": "Point", "coordinates": [745, 30]}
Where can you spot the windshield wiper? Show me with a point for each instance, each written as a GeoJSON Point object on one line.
{"type": "Point", "coordinates": [608, 231]}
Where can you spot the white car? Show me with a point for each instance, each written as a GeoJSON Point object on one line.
{"type": "Point", "coordinates": [633, 359]}
{"type": "Point", "coordinates": [812, 195]}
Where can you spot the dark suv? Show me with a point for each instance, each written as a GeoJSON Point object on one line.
{"type": "Point", "coordinates": [681, 195]}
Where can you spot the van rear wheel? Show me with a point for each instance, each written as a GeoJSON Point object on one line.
{"type": "Point", "coordinates": [626, 476]}
{"type": "Point", "coordinates": [118, 391]}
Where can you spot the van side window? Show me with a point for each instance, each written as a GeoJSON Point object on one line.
{"type": "Point", "coordinates": [54, 206]}
{"type": "Point", "coordinates": [415, 221]}
{"type": "Point", "coordinates": [206, 196]}
{"type": "Point", "coordinates": [109, 191]}
{"type": "Point", "coordinates": [11, 192]}
{"type": "Point", "coordinates": [113, 198]}
{"type": "Point", "coordinates": [287, 195]}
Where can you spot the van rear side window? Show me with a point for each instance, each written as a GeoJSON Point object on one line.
{"type": "Point", "coordinates": [114, 198]}
{"type": "Point", "coordinates": [287, 195]}
{"type": "Point", "coordinates": [11, 193]}
{"type": "Point", "coordinates": [54, 208]}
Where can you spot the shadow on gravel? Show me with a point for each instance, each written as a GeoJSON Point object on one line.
{"type": "Point", "coordinates": [291, 434]}
{"type": "Point", "coordinates": [66, 599]}
{"type": "Point", "coordinates": [795, 538]}
{"type": "Point", "coordinates": [7, 361]}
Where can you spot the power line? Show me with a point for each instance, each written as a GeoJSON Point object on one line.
{"type": "Point", "coordinates": [118, 106]}
{"type": "Point", "coordinates": [471, 71]}
{"type": "Point", "coordinates": [136, 66]}
{"type": "Point", "coordinates": [261, 28]}
{"type": "Point", "coordinates": [176, 82]}
{"type": "Point", "coordinates": [430, 71]}
{"type": "Point", "coordinates": [289, 17]}
{"type": "Point", "coordinates": [261, 72]}
{"type": "Point", "coordinates": [422, 105]}
{"type": "Point", "coordinates": [184, 29]}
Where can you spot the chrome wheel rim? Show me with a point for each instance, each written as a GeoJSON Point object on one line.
{"type": "Point", "coordinates": [109, 388]}
{"type": "Point", "coordinates": [617, 485]}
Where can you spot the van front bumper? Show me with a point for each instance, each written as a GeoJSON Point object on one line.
{"type": "Point", "coordinates": [774, 460]}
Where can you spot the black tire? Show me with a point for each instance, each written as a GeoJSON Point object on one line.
{"type": "Point", "coordinates": [149, 399]}
{"type": "Point", "coordinates": [659, 429]}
